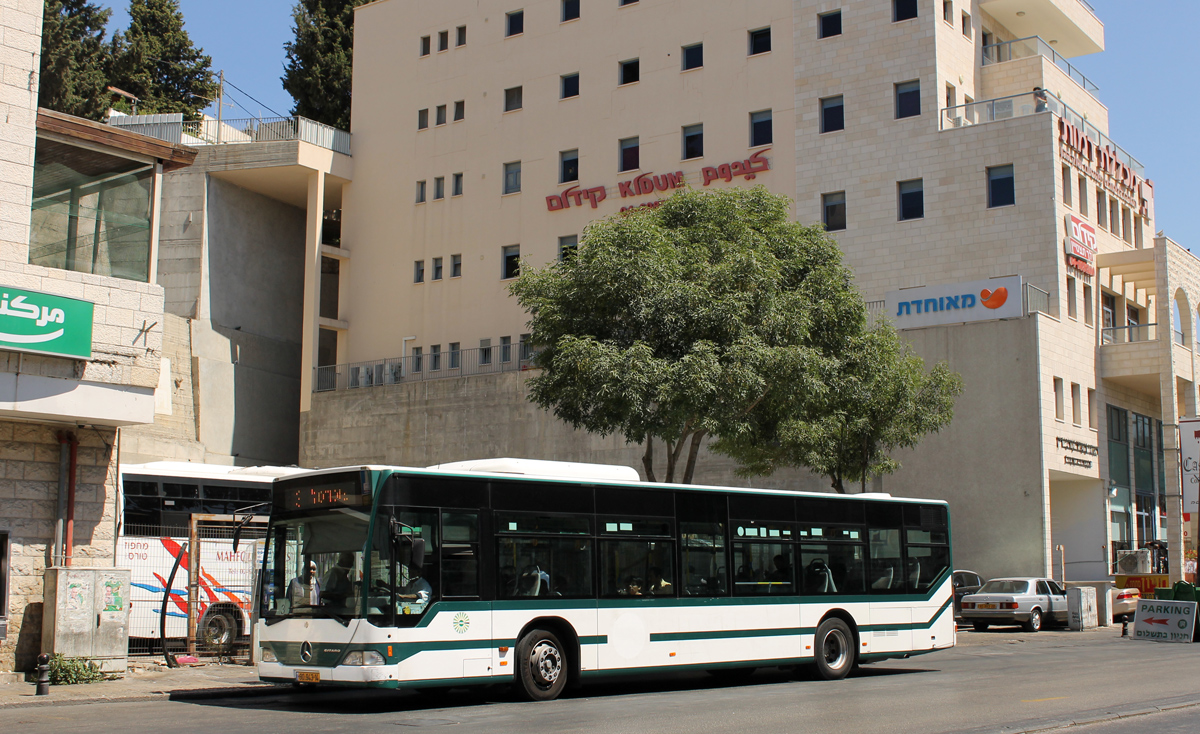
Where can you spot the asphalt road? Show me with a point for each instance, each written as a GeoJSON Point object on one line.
{"type": "Point", "coordinates": [1000, 680]}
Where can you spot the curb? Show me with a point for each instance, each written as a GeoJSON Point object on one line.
{"type": "Point", "coordinates": [1095, 716]}
{"type": "Point", "coordinates": [195, 694]}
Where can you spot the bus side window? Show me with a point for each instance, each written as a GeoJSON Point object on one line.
{"type": "Point", "coordinates": [703, 559]}
{"type": "Point", "coordinates": [460, 554]}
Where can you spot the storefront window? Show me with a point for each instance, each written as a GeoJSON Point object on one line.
{"type": "Point", "coordinates": [90, 212]}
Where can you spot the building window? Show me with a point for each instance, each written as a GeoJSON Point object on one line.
{"type": "Point", "coordinates": [512, 99]}
{"type": "Point", "coordinates": [420, 192]}
{"type": "Point", "coordinates": [1059, 407]}
{"type": "Point", "coordinates": [417, 354]}
{"type": "Point", "coordinates": [424, 45]}
{"type": "Point", "coordinates": [628, 72]}
{"type": "Point", "coordinates": [461, 36]}
{"type": "Point", "coordinates": [629, 156]}
{"type": "Point", "coordinates": [760, 41]}
{"type": "Point", "coordinates": [422, 119]}
{"type": "Point", "coordinates": [908, 99]}
{"type": "Point", "coordinates": [419, 271]}
{"type": "Point", "coordinates": [627, 2]}
{"type": "Point", "coordinates": [455, 356]}
{"type": "Point", "coordinates": [456, 266]}
{"type": "Point", "coordinates": [1076, 404]}
{"type": "Point", "coordinates": [1127, 224]}
{"type": "Point", "coordinates": [1066, 184]}
{"type": "Point", "coordinates": [833, 207]}
{"type": "Point", "coordinates": [1101, 214]}
{"type": "Point", "coordinates": [1071, 297]}
{"type": "Point", "coordinates": [435, 357]}
{"type": "Point", "coordinates": [951, 97]}
{"type": "Point", "coordinates": [1087, 304]}
{"type": "Point", "coordinates": [760, 128]}
{"type": "Point", "coordinates": [485, 351]}
{"type": "Point", "coordinates": [437, 268]}
{"type": "Point", "coordinates": [506, 349]}
{"type": "Point", "coordinates": [570, 10]}
{"type": "Point", "coordinates": [460, 110]}
{"type": "Point", "coordinates": [570, 86]}
{"type": "Point", "coordinates": [903, 10]}
{"type": "Point", "coordinates": [567, 246]}
{"type": "Point", "coordinates": [525, 347]}
{"type": "Point", "coordinates": [515, 23]}
{"type": "Point", "coordinates": [693, 141]}
{"type": "Point", "coordinates": [441, 115]}
{"type": "Point", "coordinates": [4, 573]}
{"type": "Point", "coordinates": [456, 184]}
{"type": "Point", "coordinates": [912, 199]}
{"type": "Point", "coordinates": [833, 117]}
{"type": "Point", "coordinates": [948, 10]}
{"type": "Point", "coordinates": [1114, 217]}
{"type": "Point", "coordinates": [439, 188]}
{"type": "Point", "coordinates": [512, 177]}
{"type": "Point", "coordinates": [1002, 189]}
{"type": "Point", "coordinates": [966, 24]}
{"type": "Point", "coordinates": [1083, 200]}
{"type": "Point", "coordinates": [1091, 408]}
{"type": "Point", "coordinates": [1137, 232]}
{"type": "Point", "coordinates": [510, 262]}
{"type": "Point", "coordinates": [693, 56]}
{"type": "Point", "coordinates": [568, 166]}
{"type": "Point", "coordinates": [829, 24]}
{"type": "Point", "coordinates": [443, 40]}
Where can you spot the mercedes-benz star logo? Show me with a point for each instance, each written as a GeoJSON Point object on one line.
{"type": "Point", "coordinates": [305, 651]}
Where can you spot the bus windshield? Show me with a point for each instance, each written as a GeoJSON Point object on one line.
{"type": "Point", "coordinates": [314, 565]}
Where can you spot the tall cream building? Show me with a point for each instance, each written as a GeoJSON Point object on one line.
{"type": "Point", "coordinates": [959, 159]}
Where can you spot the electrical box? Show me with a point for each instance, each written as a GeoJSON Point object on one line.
{"type": "Point", "coordinates": [1081, 608]}
{"type": "Point", "coordinates": [86, 615]}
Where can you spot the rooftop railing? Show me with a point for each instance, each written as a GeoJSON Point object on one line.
{"type": "Point", "coordinates": [1032, 103]}
{"type": "Point", "coordinates": [1023, 48]}
{"type": "Point", "coordinates": [421, 367]}
{"type": "Point", "coordinates": [174, 129]}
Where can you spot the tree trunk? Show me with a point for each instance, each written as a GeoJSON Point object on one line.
{"type": "Point", "coordinates": [672, 459]}
{"type": "Point", "coordinates": [648, 459]}
{"type": "Point", "coordinates": [836, 483]}
{"type": "Point", "coordinates": [693, 451]}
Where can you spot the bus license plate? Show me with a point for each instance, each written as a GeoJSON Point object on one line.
{"type": "Point", "coordinates": [308, 676]}
{"type": "Point", "coordinates": [985, 605]}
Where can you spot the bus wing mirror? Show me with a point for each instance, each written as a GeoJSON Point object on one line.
{"type": "Point", "coordinates": [418, 552]}
{"type": "Point", "coordinates": [237, 536]}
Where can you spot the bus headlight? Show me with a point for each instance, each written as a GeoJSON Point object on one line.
{"type": "Point", "coordinates": [268, 655]}
{"type": "Point", "coordinates": [363, 657]}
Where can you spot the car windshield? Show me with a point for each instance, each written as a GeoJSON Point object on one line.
{"type": "Point", "coordinates": [1005, 586]}
{"type": "Point", "coordinates": [314, 565]}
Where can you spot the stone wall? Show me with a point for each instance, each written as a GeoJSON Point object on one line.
{"type": "Point", "coordinates": [29, 465]}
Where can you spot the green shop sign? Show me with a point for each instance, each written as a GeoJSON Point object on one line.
{"type": "Point", "coordinates": [39, 322]}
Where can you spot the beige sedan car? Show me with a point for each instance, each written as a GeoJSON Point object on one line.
{"type": "Point", "coordinates": [1030, 602]}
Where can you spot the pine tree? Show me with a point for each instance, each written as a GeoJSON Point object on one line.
{"type": "Point", "coordinates": [155, 60]}
{"type": "Point", "coordinates": [74, 58]}
{"type": "Point", "coordinates": [317, 74]}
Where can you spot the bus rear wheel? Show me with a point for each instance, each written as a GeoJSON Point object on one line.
{"type": "Point", "coordinates": [834, 649]}
{"type": "Point", "coordinates": [541, 673]}
{"type": "Point", "coordinates": [218, 630]}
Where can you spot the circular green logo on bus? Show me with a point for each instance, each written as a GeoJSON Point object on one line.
{"type": "Point", "coordinates": [461, 623]}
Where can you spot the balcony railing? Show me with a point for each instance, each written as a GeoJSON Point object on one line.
{"type": "Point", "coordinates": [1034, 46]}
{"type": "Point", "coordinates": [1032, 103]}
{"type": "Point", "coordinates": [1036, 300]}
{"type": "Point", "coordinates": [174, 129]}
{"type": "Point", "coordinates": [1128, 334]}
{"type": "Point", "coordinates": [418, 368]}
{"type": "Point", "coordinates": [1179, 337]}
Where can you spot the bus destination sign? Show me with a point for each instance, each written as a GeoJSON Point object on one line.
{"type": "Point", "coordinates": [334, 491]}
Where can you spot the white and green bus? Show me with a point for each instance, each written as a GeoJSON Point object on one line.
{"type": "Point", "coordinates": [544, 574]}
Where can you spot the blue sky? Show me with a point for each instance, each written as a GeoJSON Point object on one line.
{"type": "Point", "coordinates": [1151, 89]}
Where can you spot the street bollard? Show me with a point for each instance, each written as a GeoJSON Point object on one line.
{"type": "Point", "coordinates": [1125, 626]}
{"type": "Point", "coordinates": [43, 671]}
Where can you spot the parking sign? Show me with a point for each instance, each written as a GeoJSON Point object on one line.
{"type": "Point", "coordinates": [1159, 620]}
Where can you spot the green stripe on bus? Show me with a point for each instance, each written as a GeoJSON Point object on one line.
{"type": "Point", "coordinates": [911, 625]}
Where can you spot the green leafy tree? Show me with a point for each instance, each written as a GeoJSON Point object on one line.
{"type": "Point", "coordinates": [74, 58]}
{"type": "Point", "coordinates": [879, 399]}
{"type": "Point", "coordinates": [317, 73]}
{"type": "Point", "coordinates": [672, 324]}
{"type": "Point", "coordinates": [154, 59]}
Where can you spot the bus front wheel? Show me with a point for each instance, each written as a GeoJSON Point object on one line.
{"type": "Point", "coordinates": [834, 649]}
{"type": "Point", "coordinates": [541, 673]}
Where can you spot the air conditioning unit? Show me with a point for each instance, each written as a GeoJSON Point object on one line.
{"type": "Point", "coordinates": [1133, 561]}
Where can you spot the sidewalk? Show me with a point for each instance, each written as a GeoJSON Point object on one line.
{"type": "Point", "coordinates": [147, 681]}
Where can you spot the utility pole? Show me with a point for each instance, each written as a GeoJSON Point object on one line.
{"type": "Point", "coordinates": [220, 103]}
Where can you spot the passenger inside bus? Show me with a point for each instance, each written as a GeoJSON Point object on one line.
{"type": "Point", "coordinates": [658, 585]}
{"type": "Point", "coordinates": [305, 590]}
{"type": "Point", "coordinates": [338, 584]}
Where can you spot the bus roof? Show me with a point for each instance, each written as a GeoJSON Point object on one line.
{"type": "Point", "coordinates": [485, 468]}
{"type": "Point", "coordinates": [196, 470]}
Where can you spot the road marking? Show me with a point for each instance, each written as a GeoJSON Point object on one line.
{"type": "Point", "coordinates": [1039, 700]}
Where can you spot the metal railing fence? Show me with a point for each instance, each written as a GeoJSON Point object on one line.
{"type": "Point", "coordinates": [174, 129]}
{"type": "Point", "coordinates": [1022, 48]}
{"type": "Point", "coordinates": [1036, 299]}
{"type": "Point", "coordinates": [417, 368]}
{"type": "Point", "coordinates": [1128, 334]}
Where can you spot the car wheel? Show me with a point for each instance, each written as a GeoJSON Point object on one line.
{"type": "Point", "coordinates": [541, 673]}
{"type": "Point", "coordinates": [980, 626]}
{"type": "Point", "coordinates": [1035, 621]}
{"type": "Point", "coordinates": [834, 647]}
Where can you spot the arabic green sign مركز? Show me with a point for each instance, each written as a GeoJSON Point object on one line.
{"type": "Point", "coordinates": [40, 322]}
